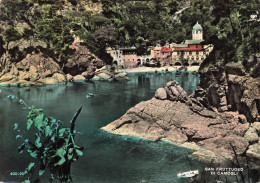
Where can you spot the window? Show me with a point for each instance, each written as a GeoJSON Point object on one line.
{"type": "Point", "coordinates": [190, 53]}
{"type": "Point", "coordinates": [204, 52]}
{"type": "Point", "coordinates": [197, 58]}
{"type": "Point", "coordinates": [202, 58]}
{"type": "Point", "coordinates": [197, 53]}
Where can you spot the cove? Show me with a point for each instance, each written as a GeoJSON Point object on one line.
{"type": "Point", "coordinates": [107, 158]}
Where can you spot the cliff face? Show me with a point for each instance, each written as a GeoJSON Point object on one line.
{"type": "Point", "coordinates": [232, 89]}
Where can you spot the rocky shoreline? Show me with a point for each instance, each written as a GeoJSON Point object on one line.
{"type": "Point", "coordinates": [38, 69]}
{"type": "Point", "coordinates": [213, 120]}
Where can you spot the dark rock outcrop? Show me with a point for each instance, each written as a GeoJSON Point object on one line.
{"type": "Point", "coordinates": [224, 91]}
{"type": "Point", "coordinates": [82, 62]}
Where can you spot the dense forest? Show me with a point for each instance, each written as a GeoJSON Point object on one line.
{"type": "Point", "coordinates": [231, 26]}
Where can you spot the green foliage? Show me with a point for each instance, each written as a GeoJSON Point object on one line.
{"type": "Point", "coordinates": [141, 22]}
{"type": "Point", "coordinates": [12, 34]}
{"type": "Point", "coordinates": [226, 24]}
{"type": "Point", "coordinates": [55, 28]}
{"type": "Point", "coordinates": [53, 148]}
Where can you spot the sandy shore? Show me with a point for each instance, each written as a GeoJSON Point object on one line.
{"type": "Point", "coordinates": [153, 69]}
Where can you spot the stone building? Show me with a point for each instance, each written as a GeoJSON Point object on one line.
{"type": "Point", "coordinates": [127, 57]}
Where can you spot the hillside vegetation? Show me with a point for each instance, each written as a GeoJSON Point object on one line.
{"type": "Point", "coordinates": [52, 26]}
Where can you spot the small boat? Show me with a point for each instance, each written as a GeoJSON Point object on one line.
{"type": "Point", "coordinates": [90, 95]}
{"type": "Point", "coordinates": [188, 174]}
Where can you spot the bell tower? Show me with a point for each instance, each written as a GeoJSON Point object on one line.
{"type": "Point", "coordinates": [197, 32]}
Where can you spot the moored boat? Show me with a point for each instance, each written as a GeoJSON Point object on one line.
{"type": "Point", "coordinates": [188, 174]}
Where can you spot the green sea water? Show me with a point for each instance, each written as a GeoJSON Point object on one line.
{"type": "Point", "coordinates": [107, 158]}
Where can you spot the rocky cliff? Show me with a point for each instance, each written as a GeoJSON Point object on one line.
{"type": "Point", "coordinates": [211, 121]}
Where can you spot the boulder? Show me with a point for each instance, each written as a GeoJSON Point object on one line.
{"type": "Point", "coordinates": [7, 77]}
{"type": "Point", "coordinates": [175, 92]}
{"type": "Point", "coordinates": [253, 153]}
{"type": "Point", "coordinates": [242, 118]}
{"type": "Point", "coordinates": [103, 76]}
{"type": "Point", "coordinates": [50, 81]}
{"type": "Point", "coordinates": [256, 126]}
{"type": "Point", "coordinates": [120, 76]}
{"type": "Point", "coordinates": [59, 77]}
{"type": "Point", "coordinates": [161, 94]}
{"type": "Point", "coordinates": [79, 77]}
{"type": "Point", "coordinates": [47, 73]}
{"type": "Point", "coordinates": [69, 77]}
{"type": "Point", "coordinates": [251, 135]}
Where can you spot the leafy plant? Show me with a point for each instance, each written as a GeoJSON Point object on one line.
{"type": "Point", "coordinates": [52, 148]}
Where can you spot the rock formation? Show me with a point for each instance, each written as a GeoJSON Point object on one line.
{"type": "Point", "coordinates": [108, 72]}
{"type": "Point", "coordinates": [189, 122]}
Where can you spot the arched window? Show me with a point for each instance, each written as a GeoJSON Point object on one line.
{"type": "Point", "coordinates": [197, 53]}
{"type": "Point", "coordinates": [197, 57]}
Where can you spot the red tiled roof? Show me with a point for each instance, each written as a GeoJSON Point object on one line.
{"type": "Point", "coordinates": [190, 48]}
{"type": "Point", "coordinates": [166, 49]}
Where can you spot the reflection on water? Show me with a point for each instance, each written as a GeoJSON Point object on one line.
{"type": "Point", "coordinates": [108, 158]}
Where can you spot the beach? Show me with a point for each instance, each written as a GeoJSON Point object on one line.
{"type": "Point", "coordinates": [154, 69]}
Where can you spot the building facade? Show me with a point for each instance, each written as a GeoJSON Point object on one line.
{"type": "Point", "coordinates": [189, 53]}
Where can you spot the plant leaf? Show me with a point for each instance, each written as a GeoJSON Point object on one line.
{"type": "Point", "coordinates": [61, 132]}
{"type": "Point", "coordinates": [47, 131]}
{"type": "Point", "coordinates": [33, 154]}
{"type": "Point", "coordinates": [29, 123]}
{"type": "Point", "coordinates": [61, 152]}
{"type": "Point", "coordinates": [38, 121]}
{"type": "Point", "coordinates": [28, 169]}
{"type": "Point", "coordinates": [37, 142]}
{"type": "Point", "coordinates": [79, 153]}
{"type": "Point", "coordinates": [30, 166]}
{"type": "Point", "coordinates": [41, 172]}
